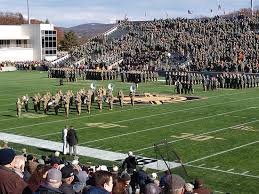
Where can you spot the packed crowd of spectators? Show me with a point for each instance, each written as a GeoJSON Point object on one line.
{"type": "Point", "coordinates": [214, 44]}
{"type": "Point", "coordinates": [54, 174]}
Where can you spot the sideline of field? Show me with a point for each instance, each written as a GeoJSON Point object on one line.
{"type": "Point", "coordinates": [82, 151]}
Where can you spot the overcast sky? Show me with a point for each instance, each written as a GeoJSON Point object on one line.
{"type": "Point", "coordinates": [69, 13]}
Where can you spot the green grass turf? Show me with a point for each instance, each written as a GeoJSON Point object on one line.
{"type": "Point", "coordinates": [200, 131]}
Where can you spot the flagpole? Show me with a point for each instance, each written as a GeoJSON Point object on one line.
{"type": "Point", "coordinates": [252, 7]}
{"type": "Point", "coordinates": [28, 12]}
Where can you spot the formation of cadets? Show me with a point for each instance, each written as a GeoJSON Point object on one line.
{"type": "Point", "coordinates": [72, 75]}
{"type": "Point", "coordinates": [69, 99]}
{"type": "Point", "coordinates": [139, 76]}
{"type": "Point", "coordinates": [184, 81]}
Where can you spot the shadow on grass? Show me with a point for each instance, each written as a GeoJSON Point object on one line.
{"type": "Point", "coordinates": [12, 116]}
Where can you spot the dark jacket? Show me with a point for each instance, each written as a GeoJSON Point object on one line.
{"type": "Point", "coordinates": [67, 189]}
{"type": "Point", "coordinates": [143, 178]}
{"type": "Point", "coordinates": [47, 189]}
{"type": "Point", "coordinates": [130, 163]}
{"type": "Point", "coordinates": [11, 183]}
{"type": "Point", "coordinates": [72, 137]}
{"type": "Point", "coordinates": [96, 190]}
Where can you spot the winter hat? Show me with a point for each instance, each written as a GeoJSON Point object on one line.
{"type": "Point", "coordinates": [6, 156]}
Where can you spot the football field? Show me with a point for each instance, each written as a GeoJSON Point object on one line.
{"type": "Point", "coordinates": [216, 136]}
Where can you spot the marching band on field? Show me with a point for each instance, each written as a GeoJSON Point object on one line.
{"type": "Point", "coordinates": [66, 100]}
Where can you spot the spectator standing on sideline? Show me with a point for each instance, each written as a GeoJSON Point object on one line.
{"type": "Point", "coordinates": [72, 140]}
{"type": "Point", "coordinates": [64, 138]}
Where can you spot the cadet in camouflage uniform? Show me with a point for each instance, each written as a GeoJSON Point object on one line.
{"type": "Point", "coordinates": [100, 100]}
{"type": "Point", "coordinates": [132, 97]}
{"type": "Point", "coordinates": [110, 99]}
{"type": "Point", "coordinates": [66, 105]}
{"type": "Point", "coordinates": [19, 105]}
{"type": "Point", "coordinates": [78, 102]}
{"type": "Point", "coordinates": [88, 101]}
{"type": "Point", "coordinates": [121, 97]}
{"type": "Point", "coordinates": [25, 100]}
{"type": "Point", "coordinates": [45, 103]}
{"type": "Point", "coordinates": [35, 102]}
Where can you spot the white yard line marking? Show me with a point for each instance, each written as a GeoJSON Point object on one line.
{"type": "Point", "coordinates": [202, 165]}
{"type": "Point", "coordinates": [75, 118]}
{"type": "Point", "coordinates": [7, 111]}
{"type": "Point", "coordinates": [230, 170]}
{"type": "Point", "coordinates": [9, 119]}
{"type": "Point", "coordinates": [217, 96]}
{"type": "Point", "coordinates": [159, 127]}
{"type": "Point", "coordinates": [223, 152]}
{"type": "Point", "coordinates": [216, 167]}
{"type": "Point", "coordinates": [223, 171]}
{"type": "Point", "coordinates": [219, 192]}
{"type": "Point", "coordinates": [107, 113]}
{"type": "Point", "coordinates": [138, 118]}
{"type": "Point", "coordinates": [245, 172]}
{"type": "Point", "coordinates": [206, 133]}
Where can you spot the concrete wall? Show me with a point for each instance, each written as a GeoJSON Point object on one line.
{"type": "Point", "coordinates": [10, 32]}
{"type": "Point", "coordinates": [16, 54]}
{"type": "Point", "coordinates": [35, 38]}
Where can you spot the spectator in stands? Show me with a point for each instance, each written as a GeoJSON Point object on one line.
{"type": "Point", "coordinates": [174, 184]}
{"type": "Point", "coordinates": [115, 173]}
{"type": "Point", "coordinates": [38, 177]}
{"type": "Point", "coordinates": [52, 183]}
{"type": "Point", "coordinates": [188, 188]}
{"type": "Point", "coordinates": [121, 185]}
{"type": "Point", "coordinates": [30, 167]}
{"type": "Point", "coordinates": [5, 144]}
{"type": "Point", "coordinates": [55, 160]}
{"type": "Point", "coordinates": [79, 185]}
{"type": "Point", "coordinates": [199, 188]}
{"type": "Point", "coordinates": [162, 179]}
{"type": "Point", "coordinates": [152, 188]}
{"type": "Point", "coordinates": [10, 182]}
{"type": "Point", "coordinates": [130, 164]}
{"type": "Point", "coordinates": [143, 179]}
{"type": "Point", "coordinates": [19, 164]}
{"type": "Point", "coordinates": [67, 179]}
{"type": "Point", "coordinates": [24, 152]}
{"type": "Point", "coordinates": [103, 183]}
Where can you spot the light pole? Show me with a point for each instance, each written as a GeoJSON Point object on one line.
{"type": "Point", "coordinates": [28, 12]}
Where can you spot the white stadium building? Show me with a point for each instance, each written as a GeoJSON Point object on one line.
{"type": "Point", "coordinates": [28, 42]}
